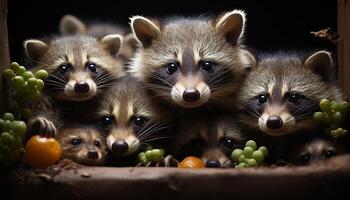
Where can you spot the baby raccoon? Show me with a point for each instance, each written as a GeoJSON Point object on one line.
{"type": "Point", "coordinates": [80, 68]}
{"type": "Point", "coordinates": [315, 150]}
{"type": "Point", "coordinates": [71, 25]}
{"type": "Point", "coordinates": [129, 119]}
{"type": "Point", "coordinates": [84, 145]}
{"type": "Point", "coordinates": [281, 95]}
{"type": "Point", "coordinates": [189, 62]}
{"type": "Point", "coordinates": [212, 141]}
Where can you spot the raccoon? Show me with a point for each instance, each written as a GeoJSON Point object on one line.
{"type": "Point", "coordinates": [83, 144]}
{"type": "Point", "coordinates": [315, 150]}
{"type": "Point", "coordinates": [189, 62]}
{"type": "Point", "coordinates": [71, 25]}
{"type": "Point", "coordinates": [211, 139]}
{"type": "Point", "coordinates": [130, 120]}
{"type": "Point", "coordinates": [280, 96]}
{"type": "Point", "coordinates": [80, 68]}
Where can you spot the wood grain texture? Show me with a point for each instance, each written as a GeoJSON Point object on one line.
{"type": "Point", "coordinates": [4, 51]}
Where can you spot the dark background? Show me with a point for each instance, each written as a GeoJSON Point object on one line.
{"type": "Point", "coordinates": [271, 25]}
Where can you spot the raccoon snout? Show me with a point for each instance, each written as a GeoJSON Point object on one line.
{"type": "Point", "coordinates": [191, 95]}
{"type": "Point", "coordinates": [81, 87]}
{"type": "Point", "coordinates": [274, 122]}
{"type": "Point", "coordinates": [92, 154]}
{"type": "Point", "coordinates": [213, 164]}
{"type": "Point", "coordinates": [120, 147]}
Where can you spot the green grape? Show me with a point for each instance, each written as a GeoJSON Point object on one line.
{"type": "Point", "coordinates": [258, 156]}
{"type": "Point", "coordinates": [19, 128]}
{"type": "Point", "coordinates": [8, 74]}
{"type": "Point", "coordinates": [41, 74]}
{"type": "Point", "coordinates": [27, 75]}
{"type": "Point", "coordinates": [144, 161]}
{"type": "Point", "coordinates": [40, 84]}
{"type": "Point", "coordinates": [7, 125]}
{"type": "Point", "coordinates": [327, 118]}
{"type": "Point", "coordinates": [25, 88]}
{"type": "Point", "coordinates": [319, 116]}
{"type": "Point", "coordinates": [264, 150]}
{"type": "Point", "coordinates": [14, 66]}
{"type": "Point", "coordinates": [337, 117]}
{"type": "Point", "coordinates": [7, 138]}
{"type": "Point", "coordinates": [162, 152]}
{"type": "Point", "coordinates": [343, 106]}
{"type": "Point", "coordinates": [247, 152]}
{"type": "Point", "coordinates": [8, 116]}
{"type": "Point", "coordinates": [148, 155]}
{"type": "Point", "coordinates": [157, 155]}
{"type": "Point", "coordinates": [334, 106]}
{"type": "Point", "coordinates": [252, 163]}
{"type": "Point", "coordinates": [17, 82]}
{"type": "Point", "coordinates": [325, 105]}
{"type": "Point", "coordinates": [21, 71]}
{"type": "Point", "coordinates": [141, 155]}
{"type": "Point", "coordinates": [241, 158]}
{"type": "Point", "coordinates": [241, 165]}
{"type": "Point", "coordinates": [252, 144]}
{"type": "Point", "coordinates": [2, 124]}
{"type": "Point", "coordinates": [236, 154]}
{"type": "Point", "coordinates": [32, 82]}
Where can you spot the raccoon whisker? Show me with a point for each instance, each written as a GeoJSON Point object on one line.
{"type": "Point", "coordinates": [152, 130]}
{"type": "Point", "coordinates": [157, 138]}
{"type": "Point", "coordinates": [162, 80]}
{"type": "Point", "coordinates": [104, 78]}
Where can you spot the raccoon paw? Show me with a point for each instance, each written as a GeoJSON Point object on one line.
{"type": "Point", "coordinates": [43, 126]}
{"type": "Point", "coordinates": [170, 161]}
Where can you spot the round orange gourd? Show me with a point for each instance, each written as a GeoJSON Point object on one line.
{"type": "Point", "coordinates": [41, 152]}
{"type": "Point", "coordinates": [191, 162]}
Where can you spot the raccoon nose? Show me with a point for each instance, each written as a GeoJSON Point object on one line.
{"type": "Point", "coordinates": [274, 122]}
{"type": "Point", "coordinates": [81, 87]}
{"type": "Point", "coordinates": [213, 164]}
{"type": "Point", "coordinates": [120, 147]}
{"type": "Point", "coordinates": [92, 154]}
{"type": "Point", "coordinates": [191, 95]}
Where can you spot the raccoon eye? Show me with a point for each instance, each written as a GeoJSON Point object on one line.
{"type": "Point", "coordinates": [329, 153]}
{"type": "Point", "coordinates": [107, 121]}
{"type": "Point", "coordinates": [64, 68]}
{"type": "Point", "coordinates": [262, 98]}
{"type": "Point", "coordinates": [294, 98]}
{"type": "Point", "coordinates": [76, 141]}
{"type": "Point", "coordinates": [92, 67]}
{"type": "Point", "coordinates": [208, 66]}
{"type": "Point", "coordinates": [305, 158]}
{"type": "Point", "coordinates": [140, 121]}
{"type": "Point", "coordinates": [171, 68]}
{"type": "Point", "coordinates": [228, 143]}
{"type": "Point", "coordinates": [97, 143]}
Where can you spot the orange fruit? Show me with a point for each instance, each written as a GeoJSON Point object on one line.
{"type": "Point", "coordinates": [191, 162]}
{"type": "Point", "coordinates": [41, 152]}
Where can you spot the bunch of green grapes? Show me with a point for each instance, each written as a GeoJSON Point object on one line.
{"type": "Point", "coordinates": [11, 136]}
{"type": "Point", "coordinates": [24, 88]}
{"type": "Point", "coordinates": [250, 156]}
{"type": "Point", "coordinates": [152, 155]}
{"type": "Point", "coordinates": [333, 114]}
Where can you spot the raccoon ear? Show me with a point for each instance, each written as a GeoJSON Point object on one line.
{"type": "Point", "coordinates": [144, 30]}
{"type": "Point", "coordinates": [131, 40]}
{"type": "Point", "coordinates": [320, 62]}
{"type": "Point", "coordinates": [249, 59]}
{"type": "Point", "coordinates": [71, 25]}
{"type": "Point", "coordinates": [112, 43]}
{"type": "Point", "coordinates": [35, 49]}
{"type": "Point", "coordinates": [231, 25]}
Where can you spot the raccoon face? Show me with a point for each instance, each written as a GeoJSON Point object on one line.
{"type": "Point", "coordinates": [281, 95]}
{"type": "Point", "coordinates": [316, 150]}
{"type": "Point", "coordinates": [213, 145]}
{"type": "Point", "coordinates": [79, 67]}
{"type": "Point", "coordinates": [189, 62]}
{"type": "Point", "coordinates": [128, 119]}
{"type": "Point", "coordinates": [84, 146]}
